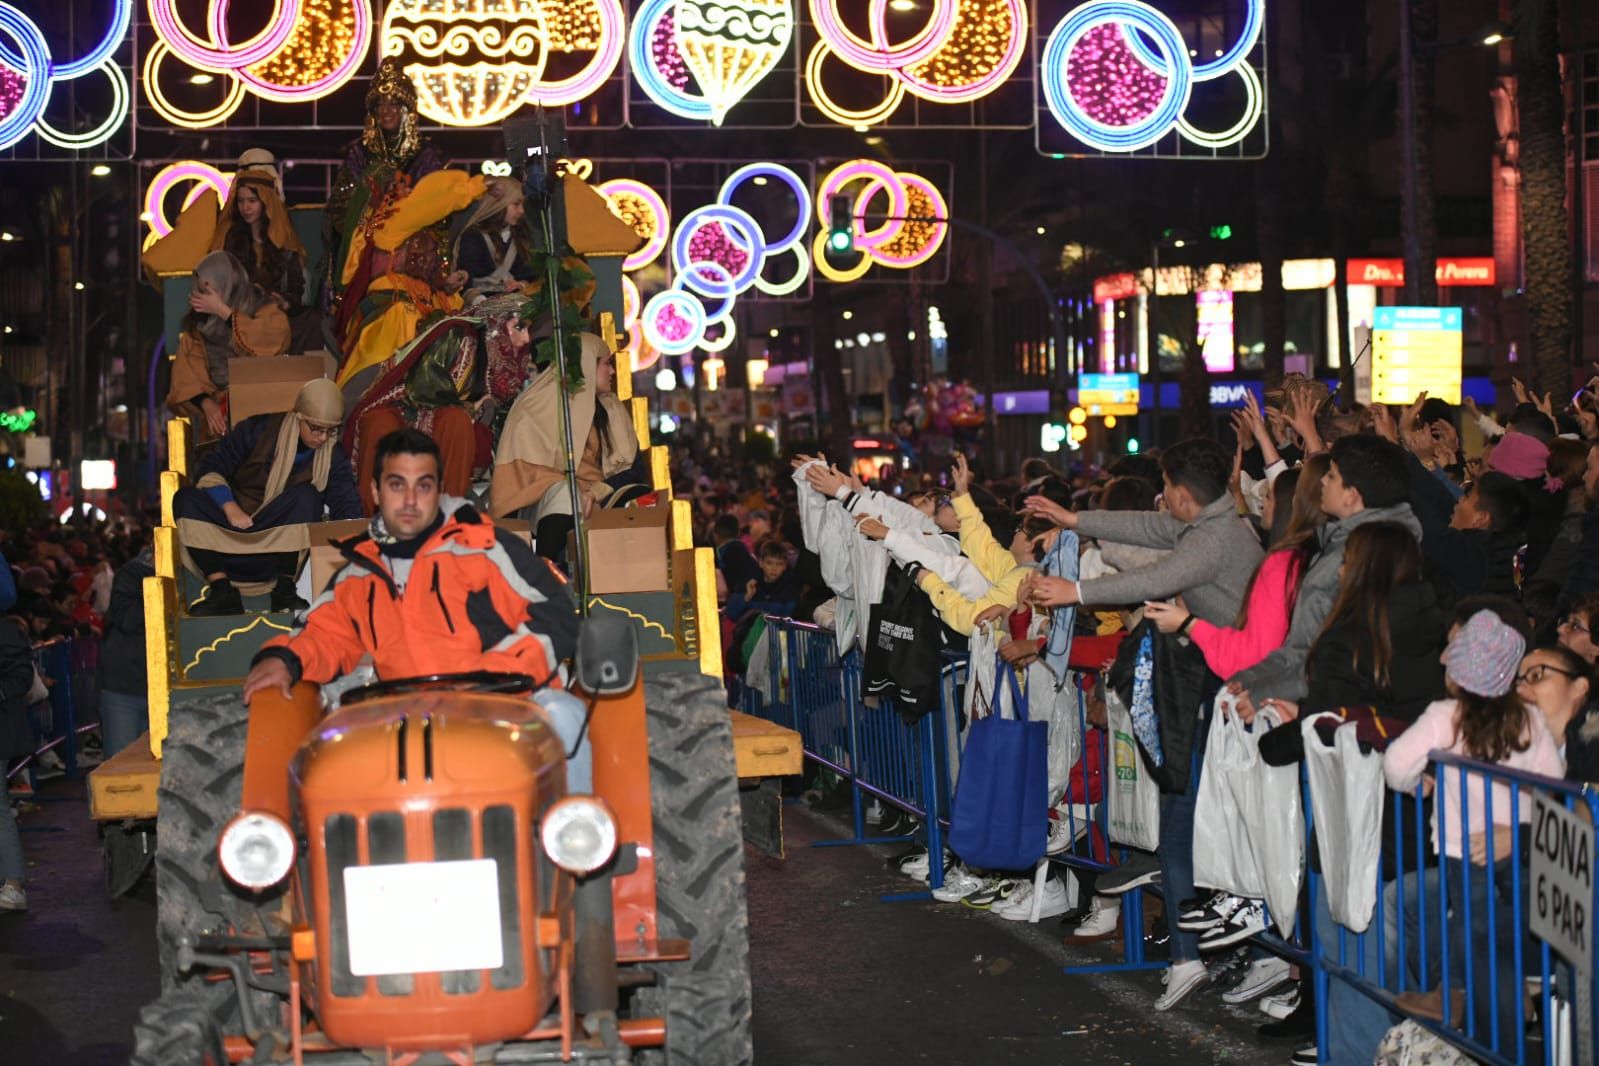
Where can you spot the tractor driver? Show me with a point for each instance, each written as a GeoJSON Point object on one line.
{"type": "Point", "coordinates": [433, 587]}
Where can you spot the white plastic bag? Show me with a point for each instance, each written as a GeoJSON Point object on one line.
{"type": "Point", "coordinates": [982, 648]}
{"type": "Point", "coordinates": [1346, 791]}
{"type": "Point", "coordinates": [1134, 797]}
{"type": "Point", "coordinates": [1057, 704]}
{"type": "Point", "coordinates": [1224, 856]}
{"type": "Point", "coordinates": [1276, 829]}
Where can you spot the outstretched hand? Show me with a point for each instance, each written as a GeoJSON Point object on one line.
{"type": "Point", "coordinates": [1045, 507]}
{"type": "Point", "coordinates": [960, 475]}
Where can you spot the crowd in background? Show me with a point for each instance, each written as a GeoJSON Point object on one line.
{"type": "Point", "coordinates": [1429, 573]}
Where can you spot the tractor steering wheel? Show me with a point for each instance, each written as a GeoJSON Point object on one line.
{"type": "Point", "coordinates": [472, 681]}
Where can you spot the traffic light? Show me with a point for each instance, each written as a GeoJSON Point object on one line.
{"type": "Point", "coordinates": [1221, 233]}
{"type": "Point", "coordinates": [840, 225]}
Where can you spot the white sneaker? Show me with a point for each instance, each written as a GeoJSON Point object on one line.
{"type": "Point", "coordinates": [1061, 835]}
{"type": "Point", "coordinates": [1262, 976]}
{"type": "Point", "coordinates": [1102, 923]}
{"type": "Point", "coordinates": [1052, 900]}
{"type": "Point", "coordinates": [958, 884]}
{"type": "Point", "coordinates": [12, 898]}
{"type": "Point", "coordinates": [1182, 979]}
{"type": "Point", "coordinates": [1282, 1004]}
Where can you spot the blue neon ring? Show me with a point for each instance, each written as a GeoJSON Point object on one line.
{"type": "Point", "coordinates": [802, 196]}
{"type": "Point", "coordinates": [723, 311]}
{"type": "Point", "coordinates": [120, 20]}
{"type": "Point", "coordinates": [692, 310]}
{"type": "Point", "coordinates": [1255, 15]}
{"type": "Point", "coordinates": [1058, 94]}
{"type": "Point", "coordinates": [35, 70]}
{"type": "Point", "coordinates": [732, 219]}
{"type": "Point", "coordinates": [668, 97]}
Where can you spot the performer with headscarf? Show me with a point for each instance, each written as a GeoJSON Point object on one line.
{"type": "Point", "coordinates": [254, 225]}
{"type": "Point", "coordinates": [389, 149]}
{"type": "Point", "coordinates": [242, 524]}
{"type": "Point", "coordinates": [229, 317]}
{"type": "Point", "coordinates": [448, 383]}
{"type": "Point", "coordinates": [530, 461]}
{"type": "Point", "coordinates": [494, 246]}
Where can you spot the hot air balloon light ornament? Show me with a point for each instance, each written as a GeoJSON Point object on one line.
{"type": "Point", "coordinates": [723, 47]}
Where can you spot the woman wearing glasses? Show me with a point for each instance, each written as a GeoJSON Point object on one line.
{"type": "Point", "coordinates": [1559, 683]}
{"type": "Point", "coordinates": [1576, 628]}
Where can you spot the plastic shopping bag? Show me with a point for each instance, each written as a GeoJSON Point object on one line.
{"type": "Point", "coordinates": [1346, 793]}
{"type": "Point", "coordinates": [999, 818]}
{"type": "Point", "coordinates": [1276, 830]}
{"type": "Point", "coordinates": [1056, 705]}
{"type": "Point", "coordinates": [1224, 856]}
{"type": "Point", "coordinates": [1134, 796]}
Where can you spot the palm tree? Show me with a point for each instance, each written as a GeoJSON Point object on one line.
{"type": "Point", "coordinates": [1545, 225]}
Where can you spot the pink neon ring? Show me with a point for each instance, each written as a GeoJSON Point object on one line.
{"type": "Point", "coordinates": [203, 175]}
{"type": "Point", "coordinates": [858, 169]}
{"type": "Point", "coordinates": [656, 242]}
{"type": "Point", "coordinates": [613, 25]}
{"type": "Point", "coordinates": [961, 94]}
{"type": "Point", "coordinates": [296, 94]}
{"type": "Point", "coordinates": [853, 50]}
{"type": "Point", "coordinates": [186, 47]}
{"type": "Point", "coordinates": [872, 240]}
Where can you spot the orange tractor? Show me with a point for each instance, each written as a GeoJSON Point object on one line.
{"type": "Point", "coordinates": [407, 879]}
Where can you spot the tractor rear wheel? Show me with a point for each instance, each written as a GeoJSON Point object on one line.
{"type": "Point", "coordinates": [179, 1029]}
{"type": "Point", "coordinates": [699, 873]}
{"type": "Point", "coordinates": [202, 773]}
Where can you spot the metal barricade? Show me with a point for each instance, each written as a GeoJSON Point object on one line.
{"type": "Point", "coordinates": [66, 663]}
{"type": "Point", "coordinates": [1446, 924]}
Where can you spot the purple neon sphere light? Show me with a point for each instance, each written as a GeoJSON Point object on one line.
{"type": "Point", "coordinates": [1108, 81]}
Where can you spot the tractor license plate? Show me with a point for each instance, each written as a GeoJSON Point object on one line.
{"type": "Point", "coordinates": [423, 917]}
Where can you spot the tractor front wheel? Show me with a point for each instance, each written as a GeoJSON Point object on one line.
{"type": "Point", "coordinates": [179, 1029]}
{"type": "Point", "coordinates": [699, 873]}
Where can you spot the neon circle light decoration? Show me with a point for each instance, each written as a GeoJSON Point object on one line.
{"type": "Point", "coordinates": [206, 55]}
{"type": "Point", "coordinates": [203, 175]}
{"type": "Point", "coordinates": [674, 322]}
{"type": "Point", "coordinates": [35, 71]}
{"type": "Point", "coordinates": [964, 51]}
{"type": "Point", "coordinates": [120, 99]}
{"type": "Point", "coordinates": [645, 210]}
{"type": "Point", "coordinates": [121, 18]}
{"type": "Point", "coordinates": [802, 198]}
{"type": "Point", "coordinates": [1084, 93]}
{"type": "Point", "coordinates": [915, 226]}
{"type": "Point", "coordinates": [1161, 119]}
{"type": "Point", "coordinates": [320, 18]}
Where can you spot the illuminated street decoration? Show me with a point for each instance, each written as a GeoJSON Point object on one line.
{"type": "Point", "coordinates": [1118, 76]}
{"type": "Point", "coordinates": [474, 62]}
{"type": "Point", "coordinates": [203, 176]}
{"type": "Point", "coordinates": [308, 49]}
{"type": "Point", "coordinates": [966, 50]}
{"type": "Point", "coordinates": [642, 208]}
{"type": "Point", "coordinates": [914, 218]}
{"type": "Point", "coordinates": [724, 47]}
{"type": "Point", "coordinates": [29, 72]}
{"type": "Point", "coordinates": [719, 252]}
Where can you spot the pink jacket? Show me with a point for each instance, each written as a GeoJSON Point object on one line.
{"type": "Point", "coordinates": [1271, 607]}
{"type": "Point", "coordinates": [1406, 760]}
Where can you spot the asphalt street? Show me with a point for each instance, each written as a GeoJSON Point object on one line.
{"type": "Point", "coordinates": [840, 977]}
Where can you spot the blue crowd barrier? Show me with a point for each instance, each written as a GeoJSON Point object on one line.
{"type": "Point", "coordinates": [1447, 923]}
{"type": "Point", "coordinates": [69, 665]}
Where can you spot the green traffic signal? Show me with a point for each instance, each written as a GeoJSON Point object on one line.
{"type": "Point", "coordinates": [840, 225]}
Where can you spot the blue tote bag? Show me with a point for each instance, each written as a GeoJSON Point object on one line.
{"type": "Point", "coordinates": [999, 819]}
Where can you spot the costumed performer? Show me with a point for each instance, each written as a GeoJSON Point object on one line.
{"type": "Point", "coordinates": [242, 524]}
{"type": "Point", "coordinates": [494, 247]}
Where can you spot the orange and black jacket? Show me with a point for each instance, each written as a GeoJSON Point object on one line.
{"type": "Point", "coordinates": [476, 598]}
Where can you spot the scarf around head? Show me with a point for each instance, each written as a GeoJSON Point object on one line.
{"type": "Point", "coordinates": [229, 280]}
{"type": "Point", "coordinates": [319, 402]}
{"type": "Point", "coordinates": [279, 230]}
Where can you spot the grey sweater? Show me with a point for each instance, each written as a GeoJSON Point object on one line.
{"type": "Point", "coordinates": [1281, 674]}
{"type": "Point", "coordinates": [1209, 561]}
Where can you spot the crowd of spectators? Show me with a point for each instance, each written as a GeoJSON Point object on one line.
{"type": "Point", "coordinates": [77, 583]}
{"type": "Point", "coordinates": [1433, 570]}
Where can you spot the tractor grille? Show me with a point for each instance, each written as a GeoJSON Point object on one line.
{"type": "Point", "coordinates": [454, 837]}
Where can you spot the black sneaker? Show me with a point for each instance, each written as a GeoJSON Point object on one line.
{"type": "Point", "coordinates": [1242, 924]}
{"type": "Point", "coordinates": [1140, 868]}
{"type": "Point", "coordinates": [285, 597]}
{"type": "Point", "coordinates": [220, 598]}
{"type": "Point", "coordinates": [1201, 916]}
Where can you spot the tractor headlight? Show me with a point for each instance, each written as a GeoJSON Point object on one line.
{"type": "Point", "coordinates": [256, 850]}
{"type": "Point", "coordinates": [579, 834]}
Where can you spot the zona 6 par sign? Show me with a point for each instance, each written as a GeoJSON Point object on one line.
{"type": "Point", "coordinates": [1562, 881]}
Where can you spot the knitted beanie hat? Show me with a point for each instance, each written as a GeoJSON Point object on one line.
{"type": "Point", "coordinates": [1520, 456]}
{"type": "Point", "coordinates": [1483, 657]}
